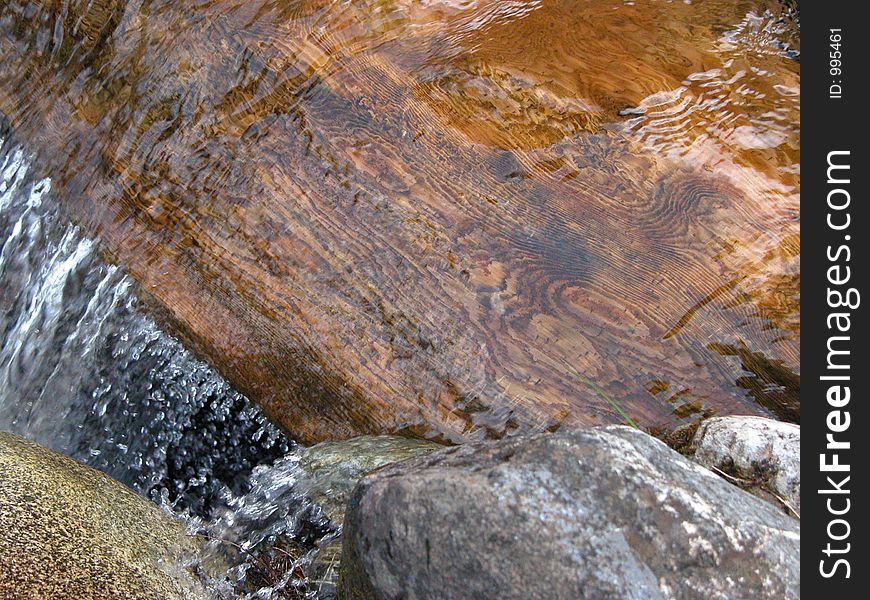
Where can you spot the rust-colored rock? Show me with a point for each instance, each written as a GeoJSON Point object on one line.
{"type": "Point", "coordinates": [447, 219]}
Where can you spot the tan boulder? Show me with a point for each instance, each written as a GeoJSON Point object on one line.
{"type": "Point", "coordinates": [68, 531]}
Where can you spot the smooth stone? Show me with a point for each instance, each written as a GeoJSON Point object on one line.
{"type": "Point", "coordinates": [762, 454]}
{"type": "Point", "coordinates": [70, 531]}
{"type": "Point", "coordinates": [600, 513]}
{"type": "Point", "coordinates": [332, 469]}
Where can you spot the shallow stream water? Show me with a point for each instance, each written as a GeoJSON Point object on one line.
{"type": "Point", "coordinates": [85, 372]}
{"type": "Point", "coordinates": [453, 219]}
{"type": "Point", "coordinates": [617, 178]}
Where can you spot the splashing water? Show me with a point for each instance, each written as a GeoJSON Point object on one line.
{"type": "Point", "coordinates": [84, 372]}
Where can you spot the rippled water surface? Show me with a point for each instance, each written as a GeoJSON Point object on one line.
{"type": "Point", "coordinates": [457, 219]}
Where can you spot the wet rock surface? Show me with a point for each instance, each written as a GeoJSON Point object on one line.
{"type": "Point", "coordinates": [69, 531]}
{"type": "Point", "coordinates": [761, 455]}
{"type": "Point", "coordinates": [332, 469]}
{"type": "Point", "coordinates": [86, 372]}
{"type": "Point", "coordinates": [601, 513]}
{"type": "Point", "coordinates": [434, 220]}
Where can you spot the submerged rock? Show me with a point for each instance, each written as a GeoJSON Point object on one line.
{"type": "Point", "coordinates": [433, 220]}
{"type": "Point", "coordinates": [602, 513]}
{"type": "Point", "coordinates": [332, 469]}
{"type": "Point", "coordinates": [69, 531]}
{"type": "Point", "coordinates": [761, 455]}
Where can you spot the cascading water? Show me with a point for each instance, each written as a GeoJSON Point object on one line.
{"type": "Point", "coordinates": [85, 372]}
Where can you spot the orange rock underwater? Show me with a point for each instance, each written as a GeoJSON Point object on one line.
{"type": "Point", "coordinates": [448, 219]}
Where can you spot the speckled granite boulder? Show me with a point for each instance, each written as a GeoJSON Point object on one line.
{"type": "Point", "coordinates": [68, 531]}
{"type": "Point", "coordinates": [600, 513]}
{"type": "Point", "coordinates": [762, 454]}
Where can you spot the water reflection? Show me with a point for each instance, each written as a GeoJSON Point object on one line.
{"type": "Point", "coordinates": [454, 219]}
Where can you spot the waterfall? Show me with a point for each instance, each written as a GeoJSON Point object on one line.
{"type": "Point", "coordinates": [84, 371]}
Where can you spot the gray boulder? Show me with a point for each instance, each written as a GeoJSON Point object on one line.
{"type": "Point", "coordinates": [69, 531]}
{"type": "Point", "coordinates": [761, 455]}
{"type": "Point", "coordinates": [599, 513]}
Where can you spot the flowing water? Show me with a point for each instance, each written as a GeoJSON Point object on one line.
{"type": "Point", "coordinates": [85, 372]}
{"type": "Point", "coordinates": [451, 218]}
